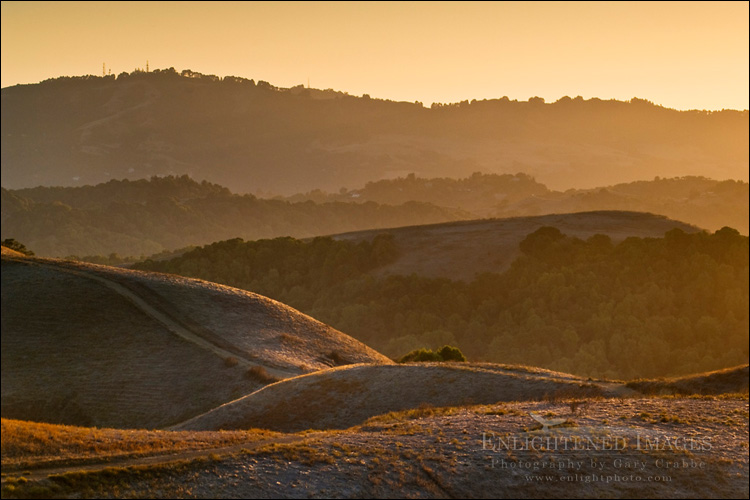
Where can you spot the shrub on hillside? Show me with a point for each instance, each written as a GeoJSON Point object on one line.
{"type": "Point", "coordinates": [445, 353]}
{"type": "Point", "coordinates": [260, 374]}
{"type": "Point", "coordinates": [450, 353]}
{"type": "Point", "coordinates": [338, 359]}
{"type": "Point", "coordinates": [17, 246]}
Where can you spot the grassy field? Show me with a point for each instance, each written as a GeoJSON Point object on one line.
{"type": "Point", "coordinates": [33, 444]}
{"type": "Point", "coordinates": [463, 452]}
{"type": "Point", "coordinates": [341, 397]}
{"type": "Point", "coordinates": [346, 396]}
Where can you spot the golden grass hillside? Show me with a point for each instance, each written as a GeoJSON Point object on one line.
{"type": "Point", "coordinates": [728, 380]}
{"type": "Point", "coordinates": [480, 451]}
{"type": "Point", "coordinates": [341, 397]}
{"type": "Point", "coordinates": [8, 252]}
{"type": "Point", "coordinates": [611, 443]}
{"type": "Point", "coordinates": [34, 444]}
{"type": "Point", "coordinates": [99, 346]}
{"type": "Point", "coordinates": [459, 250]}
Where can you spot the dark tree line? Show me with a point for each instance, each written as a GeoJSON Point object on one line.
{"type": "Point", "coordinates": [643, 307]}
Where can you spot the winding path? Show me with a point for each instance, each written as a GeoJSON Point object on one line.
{"type": "Point", "coordinates": [38, 474]}
{"type": "Point", "coordinates": [148, 309]}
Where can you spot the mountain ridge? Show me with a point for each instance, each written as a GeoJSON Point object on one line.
{"type": "Point", "coordinates": [248, 135]}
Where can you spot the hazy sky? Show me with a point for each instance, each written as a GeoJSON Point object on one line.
{"type": "Point", "coordinates": [691, 55]}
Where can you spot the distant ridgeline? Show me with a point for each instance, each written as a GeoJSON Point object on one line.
{"type": "Point", "coordinates": [703, 202]}
{"type": "Point", "coordinates": [246, 134]}
{"type": "Point", "coordinates": [145, 217]}
{"type": "Point", "coordinates": [645, 307]}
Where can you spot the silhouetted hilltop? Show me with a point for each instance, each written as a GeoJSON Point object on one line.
{"type": "Point", "coordinates": [251, 135]}
{"type": "Point", "coordinates": [707, 203]}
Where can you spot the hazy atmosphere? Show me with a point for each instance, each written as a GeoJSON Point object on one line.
{"type": "Point", "coordinates": [375, 250]}
{"type": "Point", "coordinates": [682, 55]}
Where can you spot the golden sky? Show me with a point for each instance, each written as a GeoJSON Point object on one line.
{"type": "Point", "coordinates": [691, 55]}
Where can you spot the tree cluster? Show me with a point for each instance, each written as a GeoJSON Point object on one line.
{"type": "Point", "coordinates": [645, 307]}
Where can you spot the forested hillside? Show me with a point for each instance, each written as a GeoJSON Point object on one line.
{"type": "Point", "coordinates": [706, 203]}
{"type": "Point", "coordinates": [146, 217]}
{"type": "Point", "coordinates": [643, 307]}
{"type": "Point", "coordinates": [136, 218]}
{"type": "Point", "coordinates": [249, 135]}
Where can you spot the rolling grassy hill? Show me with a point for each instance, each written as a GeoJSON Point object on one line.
{"type": "Point", "coordinates": [91, 345]}
{"type": "Point", "coordinates": [381, 437]}
{"type": "Point", "coordinates": [460, 250]}
{"type": "Point", "coordinates": [342, 397]}
{"type": "Point", "coordinates": [604, 294]}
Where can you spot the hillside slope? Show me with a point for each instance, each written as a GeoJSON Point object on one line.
{"type": "Point", "coordinates": [343, 397]}
{"type": "Point", "coordinates": [92, 345]}
{"type": "Point", "coordinates": [706, 203]}
{"type": "Point", "coordinates": [599, 301]}
{"type": "Point", "coordinates": [665, 448]}
{"type": "Point", "coordinates": [460, 250]}
{"type": "Point", "coordinates": [247, 135]}
{"type": "Point", "coordinates": [148, 216]}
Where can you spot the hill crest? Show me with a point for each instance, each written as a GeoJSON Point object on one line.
{"type": "Point", "coordinates": [92, 345]}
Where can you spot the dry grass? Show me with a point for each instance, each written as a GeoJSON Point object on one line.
{"type": "Point", "coordinates": [11, 253]}
{"type": "Point", "coordinates": [303, 453]}
{"type": "Point", "coordinates": [460, 250]}
{"type": "Point", "coordinates": [260, 374]}
{"type": "Point", "coordinates": [182, 350]}
{"type": "Point", "coordinates": [342, 397]}
{"type": "Point", "coordinates": [27, 444]}
{"type": "Point", "coordinates": [423, 411]}
{"type": "Point", "coordinates": [111, 481]}
{"type": "Point", "coordinates": [439, 453]}
{"type": "Point", "coordinates": [729, 380]}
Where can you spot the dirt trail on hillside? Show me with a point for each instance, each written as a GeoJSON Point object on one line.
{"type": "Point", "coordinates": [37, 474]}
{"type": "Point", "coordinates": [155, 313]}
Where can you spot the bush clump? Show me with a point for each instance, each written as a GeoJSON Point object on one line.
{"type": "Point", "coordinates": [450, 353]}
{"type": "Point", "coordinates": [17, 246]}
{"type": "Point", "coordinates": [445, 353]}
{"type": "Point", "coordinates": [260, 374]}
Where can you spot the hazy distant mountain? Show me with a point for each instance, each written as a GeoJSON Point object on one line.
{"type": "Point", "coordinates": [706, 203]}
{"type": "Point", "coordinates": [133, 218]}
{"type": "Point", "coordinates": [145, 217]}
{"type": "Point", "coordinates": [252, 136]}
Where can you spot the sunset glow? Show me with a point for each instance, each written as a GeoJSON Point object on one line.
{"type": "Point", "coordinates": [683, 55]}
